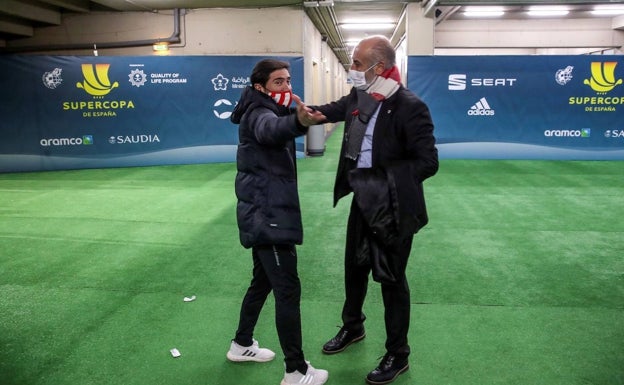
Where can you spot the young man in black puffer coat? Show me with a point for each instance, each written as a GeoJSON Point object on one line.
{"type": "Point", "coordinates": [269, 216]}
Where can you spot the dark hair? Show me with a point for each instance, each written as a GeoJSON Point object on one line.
{"type": "Point", "coordinates": [263, 69]}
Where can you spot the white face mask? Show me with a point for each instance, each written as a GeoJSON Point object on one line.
{"type": "Point", "coordinates": [358, 78]}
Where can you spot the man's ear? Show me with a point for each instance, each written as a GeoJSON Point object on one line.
{"type": "Point", "coordinates": [380, 68]}
{"type": "Point", "coordinates": [258, 87]}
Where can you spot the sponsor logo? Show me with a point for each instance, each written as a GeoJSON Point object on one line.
{"type": "Point", "coordinates": [137, 77]}
{"type": "Point", "coordinates": [96, 82]}
{"type": "Point", "coordinates": [597, 103]}
{"type": "Point", "coordinates": [98, 108]}
{"type": "Point", "coordinates": [79, 141]}
{"type": "Point", "coordinates": [602, 77]}
{"type": "Point", "coordinates": [563, 76]}
{"type": "Point", "coordinates": [481, 108]}
{"type": "Point", "coordinates": [134, 139]}
{"type": "Point", "coordinates": [220, 83]}
{"type": "Point", "coordinates": [218, 111]}
{"type": "Point", "coordinates": [167, 78]}
{"type": "Point", "coordinates": [52, 79]}
{"type": "Point", "coordinates": [582, 133]}
{"type": "Point", "coordinates": [602, 81]}
{"type": "Point", "coordinates": [459, 82]}
{"type": "Point", "coordinates": [614, 134]}
{"type": "Point", "coordinates": [240, 82]}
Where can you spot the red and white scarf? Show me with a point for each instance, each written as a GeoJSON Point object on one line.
{"type": "Point", "coordinates": [386, 84]}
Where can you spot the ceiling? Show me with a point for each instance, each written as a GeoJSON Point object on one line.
{"type": "Point", "coordinates": [20, 19]}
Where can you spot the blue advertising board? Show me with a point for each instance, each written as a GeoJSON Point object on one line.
{"type": "Point", "coordinates": [71, 112]}
{"type": "Point", "coordinates": [524, 107]}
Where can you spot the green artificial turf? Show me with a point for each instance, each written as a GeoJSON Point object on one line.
{"type": "Point", "coordinates": [517, 279]}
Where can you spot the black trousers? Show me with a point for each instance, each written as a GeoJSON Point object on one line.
{"type": "Point", "coordinates": [275, 268]}
{"type": "Point", "coordinates": [396, 297]}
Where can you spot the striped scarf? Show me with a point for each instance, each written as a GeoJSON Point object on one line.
{"type": "Point", "coordinates": [384, 86]}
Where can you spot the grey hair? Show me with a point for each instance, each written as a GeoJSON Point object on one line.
{"type": "Point", "coordinates": [382, 51]}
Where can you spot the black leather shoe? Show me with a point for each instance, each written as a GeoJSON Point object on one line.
{"type": "Point", "coordinates": [343, 339]}
{"type": "Point", "coordinates": [388, 370]}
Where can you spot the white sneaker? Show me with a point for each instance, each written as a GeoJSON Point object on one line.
{"type": "Point", "coordinates": [255, 353]}
{"type": "Point", "coordinates": [312, 377]}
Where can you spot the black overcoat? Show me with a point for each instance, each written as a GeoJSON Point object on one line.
{"type": "Point", "coordinates": [390, 194]}
{"type": "Point", "coordinates": [403, 147]}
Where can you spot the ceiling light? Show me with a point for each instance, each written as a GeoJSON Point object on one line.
{"type": "Point", "coordinates": [484, 11]}
{"type": "Point", "coordinates": [366, 26]}
{"type": "Point", "coordinates": [605, 10]}
{"type": "Point", "coordinates": [548, 11]}
{"type": "Point", "coordinates": [367, 21]}
{"type": "Point", "coordinates": [318, 3]}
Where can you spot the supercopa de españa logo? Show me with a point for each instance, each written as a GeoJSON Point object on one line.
{"type": "Point", "coordinates": [603, 77]}
{"type": "Point", "coordinates": [96, 80]}
{"type": "Point", "coordinates": [97, 84]}
{"type": "Point", "coordinates": [602, 80]}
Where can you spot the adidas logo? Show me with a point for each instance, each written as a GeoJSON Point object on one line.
{"type": "Point", "coordinates": [307, 379]}
{"type": "Point", "coordinates": [482, 107]}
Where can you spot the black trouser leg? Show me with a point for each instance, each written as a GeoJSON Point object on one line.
{"type": "Point", "coordinates": [356, 273]}
{"type": "Point", "coordinates": [396, 298]}
{"type": "Point", "coordinates": [253, 302]}
{"type": "Point", "coordinates": [356, 284]}
{"type": "Point", "coordinates": [279, 271]}
{"type": "Point", "coordinates": [287, 291]}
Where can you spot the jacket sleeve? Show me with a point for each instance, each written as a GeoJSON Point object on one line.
{"type": "Point", "coordinates": [414, 161]}
{"type": "Point", "coordinates": [419, 142]}
{"type": "Point", "coordinates": [337, 111]}
{"type": "Point", "coordinates": [272, 130]}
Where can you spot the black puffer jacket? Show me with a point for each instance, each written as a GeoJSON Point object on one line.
{"type": "Point", "coordinates": [268, 209]}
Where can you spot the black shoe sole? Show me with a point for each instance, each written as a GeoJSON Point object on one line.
{"type": "Point", "coordinates": [358, 338]}
{"type": "Point", "coordinates": [403, 370]}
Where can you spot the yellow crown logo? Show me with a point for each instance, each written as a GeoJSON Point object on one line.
{"type": "Point", "coordinates": [96, 81]}
{"type": "Point", "coordinates": [603, 77]}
